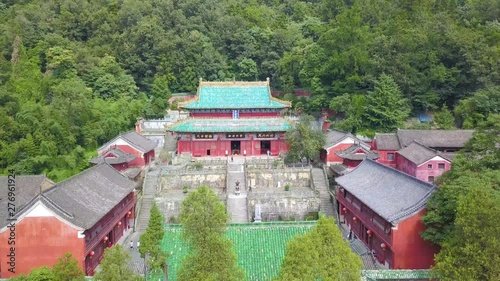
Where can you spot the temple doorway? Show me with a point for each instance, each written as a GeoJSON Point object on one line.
{"type": "Point", "coordinates": [265, 146]}
{"type": "Point", "coordinates": [235, 147]}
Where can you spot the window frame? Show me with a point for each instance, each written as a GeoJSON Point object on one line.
{"type": "Point", "coordinates": [391, 156]}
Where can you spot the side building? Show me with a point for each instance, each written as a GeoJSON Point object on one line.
{"type": "Point", "coordinates": [424, 154]}
{"type": "Point", "coordinates": [81, 215]}
{"type": "Point", "coordinates": [448, 141]}
{"type": "Point", "coordinates": [382, 207]}
{"type": "Point", "coordinates": [227, 118]}
{"type": "Point", "coordinates": [126, 150]}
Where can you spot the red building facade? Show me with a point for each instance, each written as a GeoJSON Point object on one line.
{"type": "Point", "coordinates": [232, 118]}
{"type": "Point", "coordinates": [384, 213]}
{"type": "Point", "coordinates": [337, 141]}
{"type": "Point", "coordinates": [81, 215]}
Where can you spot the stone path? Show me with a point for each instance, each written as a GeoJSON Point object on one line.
{"type": "Point", "coordinates": [236, 204]}
{"type": "Point", "coordinates": [321, 185]}
{"type": "Point", "coordinates": [149, 188]}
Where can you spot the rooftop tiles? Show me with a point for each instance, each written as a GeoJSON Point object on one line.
{"type": "Point", "coordinates": [216, 125]}
{"type": "Point", "coordinates": [234, 95]}
{"type": "Point", "coordinates": [260, 247]}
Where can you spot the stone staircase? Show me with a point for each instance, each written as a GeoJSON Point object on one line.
{"type": "Point", "coordinates": [321, 184]}
{"type": "Point", "coordinates": [236, 204]}
{"type": "Point", "coordinates": [149, 188]}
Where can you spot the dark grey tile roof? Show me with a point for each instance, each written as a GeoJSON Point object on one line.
{"type": "Point", "coordinates": [387, 142]}
{"type": "Point", "coordinates": [435, 138]}
{"type": "Point", "coordinates": [338, 168]}
{"type": "Point", "coordinates": [350, 153]}
{"type": "Point", "coordinates": [334, 136]}
{"type": "Point", "coordinates": [417, 153]}
{"type": "Point", "coordinates": [121, 157]}
{"type": "Point", "coordinates": [392, 194]}
{"type": "Point", "coordinates": [131, 173]}
{"type": "Point", "coordinates": [26, 188]}
{"type": "Point", "coordinates": [448, 155]}
{"type": "Point", "coordinates": [86, 197]}
{"type": "Point", "coordinates": [135, 139]}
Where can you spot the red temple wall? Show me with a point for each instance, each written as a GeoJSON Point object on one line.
{"type": "Point", "coordinates": [40, 241]}
{"type": "Point", "coordinates": [219, 147]}
{"type": "Point", "coordinates": [410, 250]}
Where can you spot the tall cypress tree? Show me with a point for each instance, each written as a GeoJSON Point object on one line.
{"type": "Point", "coordinates": [211, 255]}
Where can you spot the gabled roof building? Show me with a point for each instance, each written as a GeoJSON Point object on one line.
{"type": "Point", "coordinates": [232, 118]}
{"type": "Point", "coordinates": [125, 151]}
{"type": "Point", "coordinates": [447, 141]}
{"type": "Point", "coordinates": [422, 162]}
{"type": "Point", "coordinates": [382, 207]}
{"type": "Point", "coordinates": [425, 154]}
{"type": "Point", "coordinates": [337, 141]}
{"type": "Point", "coordinates": [81, 215]}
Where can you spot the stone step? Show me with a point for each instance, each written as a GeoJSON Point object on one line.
{"type": "Point", "coordinates": [237, 208]}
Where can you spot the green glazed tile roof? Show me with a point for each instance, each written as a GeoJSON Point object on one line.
{"type": "Point", "coordinates": [219, 125]}
{"type": "Point", "coordinates": [234, 95]}
{"type": "Point", "coordinates": [414, 274]}
{"type": "Point", "coordinates": [260, 247]}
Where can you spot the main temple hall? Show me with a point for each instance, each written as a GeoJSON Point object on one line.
{"type": "Point", "coordinates": [232, 118]}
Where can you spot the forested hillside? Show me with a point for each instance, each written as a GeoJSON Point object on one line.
{"type": "Point", "coordinates": [74, 73]}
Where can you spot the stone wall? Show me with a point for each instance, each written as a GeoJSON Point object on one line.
{"type": "Point", "coordinates": [284, 205]}
{"type": "Point", "coordinates": [170, 203]}
{"type": "Point", "coordinates": [175, 180]}
{"type": "Point", "coordinates": [278, 178]}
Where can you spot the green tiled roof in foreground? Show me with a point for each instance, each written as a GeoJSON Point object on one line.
{"type": "Point", "coordinates": [376, 275]}
{"type": "Point", "coordinates": [260, 247]}
{"type": "Point", "coordinates": [234, 95]}
{"type": "Point", "coordinates": [219, 125]}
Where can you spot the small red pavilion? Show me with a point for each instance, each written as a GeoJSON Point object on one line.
{"type": "Point", "coordinates": [232, 118]}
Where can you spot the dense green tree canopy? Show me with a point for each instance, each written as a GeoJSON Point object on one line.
{"type": "Point", "coordinates": [75, 73]}
{"type": "Point", "coordinates": [471, 251]}
{"type": "Point", "coordinates": [477, 166]}
{"type": "Point", "coordinates": [321, 254]}
{"type": "Point", "coordinates": [66, 269]}
{"type": "Point", "coordinates": [305, 140]}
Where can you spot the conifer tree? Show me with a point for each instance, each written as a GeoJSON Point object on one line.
{"type": "Point", "coordinates": [211, 257]}
{"type": "Point", "coordinates": [321, 254]}
{"type": "Point", "coordinates": [114, 266]}
{"type": "Point", "coordinates": [66, 269]}
{"type": "Point", "coordinates": [386, 107]}
{"type": "Point", "coordinates": [150, 240]}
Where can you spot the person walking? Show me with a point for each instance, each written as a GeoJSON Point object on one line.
{"type": "Point", "coordinates": [131, 244]}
